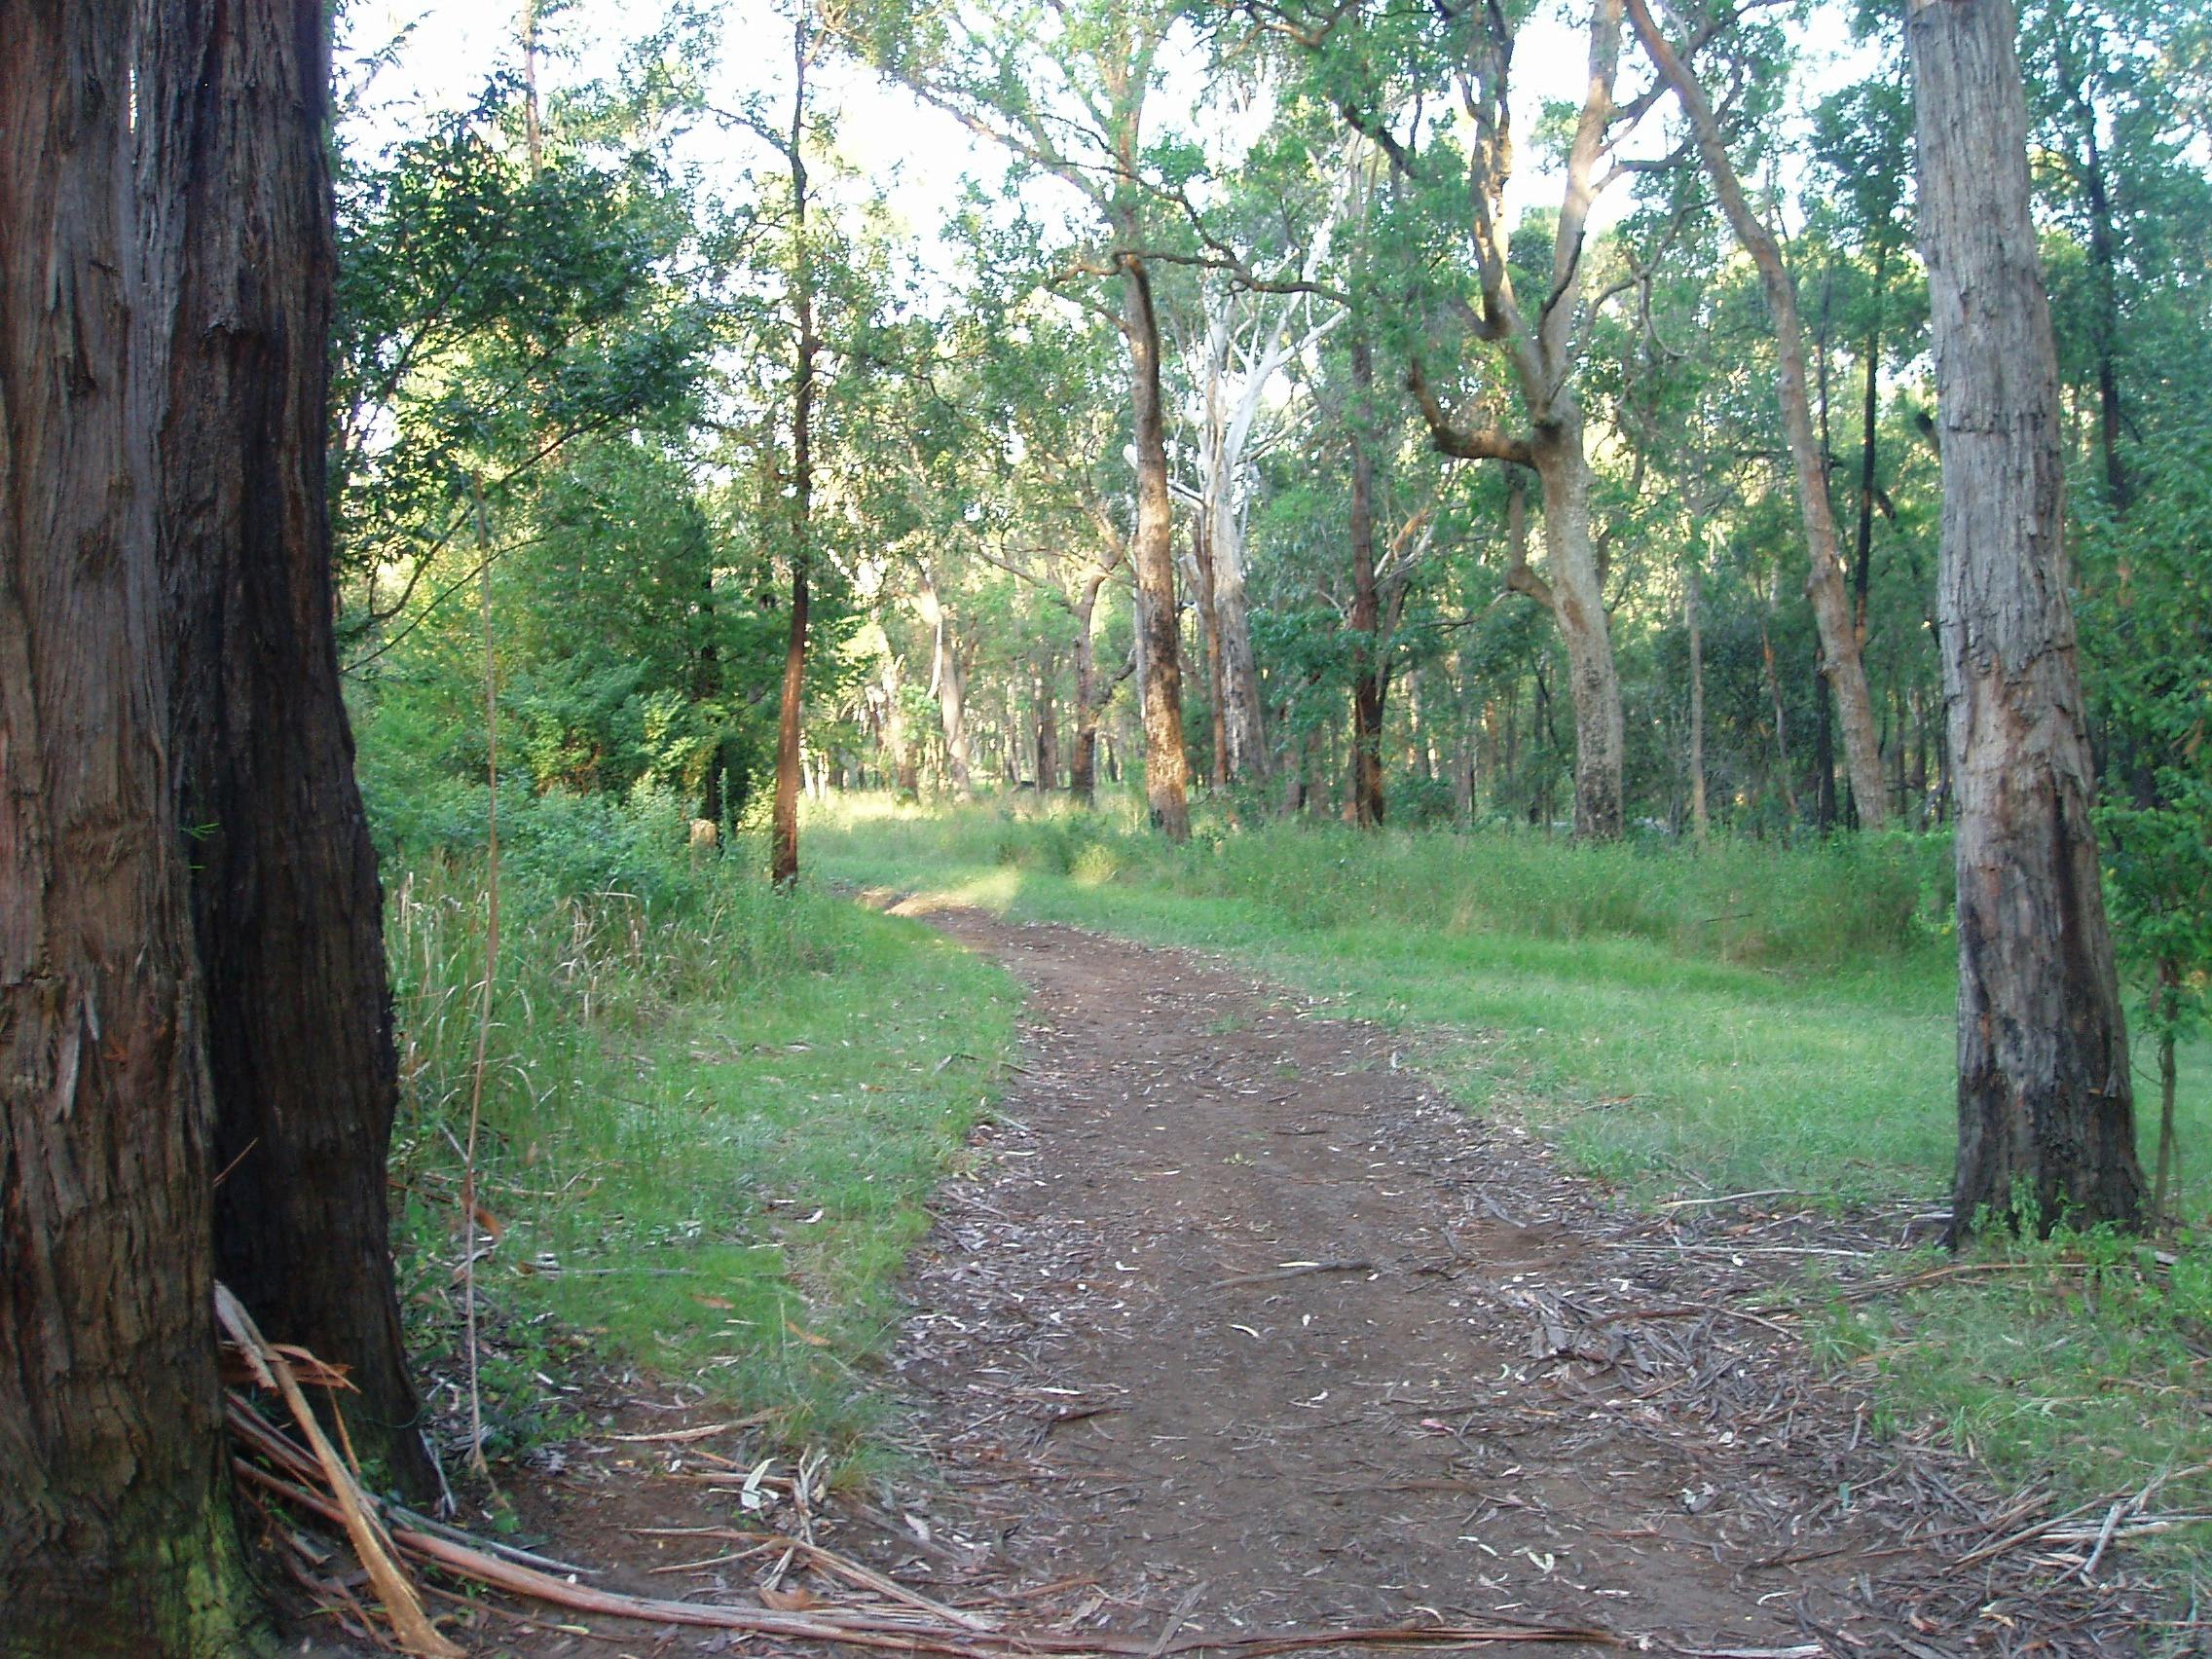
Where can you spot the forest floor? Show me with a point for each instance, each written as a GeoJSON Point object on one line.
{"type": "Point", "coordinates": [1235, 1326]}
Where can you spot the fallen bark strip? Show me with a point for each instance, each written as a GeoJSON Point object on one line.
{"type": "Point", "coordinates": [409, 1623]}
{"type": "Point", "coordinates": [917, 1631]}
{"type": "Point", "coordinates": [1296, 1270]}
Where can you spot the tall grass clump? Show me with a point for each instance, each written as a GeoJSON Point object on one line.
{"type": "Point", "coordinates": [712, 1110]}
{"type": "Point", "coordinates": [1803, 908]}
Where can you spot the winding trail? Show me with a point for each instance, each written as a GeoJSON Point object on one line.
{"type": "Point", "coordinates": [1237, 1315]}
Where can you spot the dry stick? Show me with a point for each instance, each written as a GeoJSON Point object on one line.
{"type": "Point", "coordinates": [477, 1459]}
{"type": "Point", "coordinates": [409, 1622]}
{"type": "Point", "coordinates": [909, 1633]}
{"type": "Point", "coordinates": [1296, 1270]}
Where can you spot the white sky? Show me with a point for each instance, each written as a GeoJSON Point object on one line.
{"type": "Point", "coordinates": [916, 154]}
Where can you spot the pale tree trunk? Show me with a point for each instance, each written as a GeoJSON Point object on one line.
{"type": "Point", "coordinates": [783, 853]}
{"type": "Point", "coordinates": [1576, 600]}
{"type": "Point", "coordinates": [286, 905]}
{"type": "Point", "coordinates": [1048, 732]}
{"type": "Point", "coordinates": [1824, 581]}
{"type": "Point", "coordinates": [948, 685]}
{"type": "Point", "coordinates": [897, 743]}
{"type": "Point", "coordinates": [1166, 768]}
{"type": "Point", "coordinates": [115, 1528]}
{"type": "Point", "coordinates": [1540, 351]}
{"type": "Point", "coordinates": [1209, 622]}
{"type": "Point", "coordinates": [2046, 1101]}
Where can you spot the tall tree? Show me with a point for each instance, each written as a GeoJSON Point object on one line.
{"type": "Point", "coordinates": [2046, 1101]}
{"type": "Point", "coordinates": [115, 1531]}
{"type": "Point", "coordinates": [1832, 611]}
{"type": "Point", "coordinates": [1071, 102]}
{"type": "Point", "coordinates": [806, 349]}
{"type": "Point", "coordinates": [288, 909]}
{"type": "Point", "coordinates": [1537, 342]}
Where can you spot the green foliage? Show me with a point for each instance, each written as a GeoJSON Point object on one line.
{"type": "Point", "coordinates": [712, 1114]}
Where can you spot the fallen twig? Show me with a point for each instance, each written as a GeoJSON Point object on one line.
{"type": "Point", "coordinates": [1296, 1270]}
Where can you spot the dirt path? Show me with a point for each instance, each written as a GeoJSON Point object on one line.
{"type": "Point", "coordinates": [1235, 1324]}
{"type": "Point", "coordinates": [1242, 1317]}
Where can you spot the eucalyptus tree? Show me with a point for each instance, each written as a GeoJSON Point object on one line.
{"type": "Point", "coordinates": [1385, 71]}
{"type": "Point", "coordinates": [1824, 583]}
{"type": "Point", "coordinates": [1070, 91]}
{"type": "Point", "coordinates": [2047, 1120]}
{"type": "Point", "coordinates": [115, 1527]}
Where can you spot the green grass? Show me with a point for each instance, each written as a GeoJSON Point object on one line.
{"type": "Point", "coordinates": [1747, 1017]}
{"type": "Point", "coordinates": [711, 1120]}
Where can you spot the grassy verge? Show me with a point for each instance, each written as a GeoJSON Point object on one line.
{"type": "Point", "coordinates": [1750, 1017]}
{"type": "Point", "coordinates": [712, 1117]}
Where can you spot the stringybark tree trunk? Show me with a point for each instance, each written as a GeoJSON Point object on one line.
{"type": "Point", "coordinates": [287, 908]}
{"type": "Point", "coordinates": [2046, 1120]}
{"type": "Point", "coordinates": [1166, 767]}
{"type": "Point", "coordinates": [1823, 582]}
{"type": "Point", "coordinates": [115, 1527]}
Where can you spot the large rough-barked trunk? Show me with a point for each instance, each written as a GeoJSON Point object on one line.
{"type": "Point", "coordinates": [1578, 606]}
{"type": "Point", "coordinates": [286, 907]}
{"type": "Point", "coordinates": [1833, 612]}
{"type": "Point", "coordinates": [115, 1532]}
{"type": "Point", "coordinates": [1166, 767]}
{"type": "Point", "coordinates": [2046, 1103]}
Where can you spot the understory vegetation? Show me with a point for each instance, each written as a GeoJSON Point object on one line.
{"type": "Point", "coordinates": [1749, 1018]}
{"type": "Point", "coordinates": [711, 1116]}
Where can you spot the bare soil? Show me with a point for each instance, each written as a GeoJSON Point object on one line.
{"type": "Point", "coordinates": [1234, 1323]}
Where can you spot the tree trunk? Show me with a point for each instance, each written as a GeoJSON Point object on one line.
{"type": "Point", "coordinates": [949, 684]}
{"type": "Point", "coordinates": [1693, 618]}
{"type": "Point", "coordinates": [2047, 1112]}
{"type": "Point", "coordinates": [1209, 620]}
{"type": "Point", "coordinates": [1823, 583]}
{"type": "Point", "coordinates": [1366, 612]}
{"type": "Point", "coordinates": [1166, 768]}
{"type": "Point", "coordinates": [288, 909]}
{"type": "Point", "coordinates": [1863, 555]}
{"type": "Point", "coordinates": [1083, 758]}
{"type": "Point", "coordinates": [783, 867]}
{"type": "Point", "coordinates": [1048, 734]}
{"type": "Point", "coordinates": [115, 1527]}
{"type": "Point", "coordinates": [1577, 603]}
{"type": "Point", "coordinates": [1240, 669]}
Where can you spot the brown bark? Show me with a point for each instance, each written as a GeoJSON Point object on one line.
{"type": "Point", "coordinates": [1166, 767]}
{"type": "Point", "coordinates": [1367, 671]}
{"type": "Point", "coordinates": [783, 832]}
{"type": "Point", "coordinates": [1823, 583]}
{"type": "Point", "coordinates": [115, 1532]}
{"type": "Point", "coordinates": [287, 908]}
{"type": "Point", "coordinates": [2046, 1101]}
